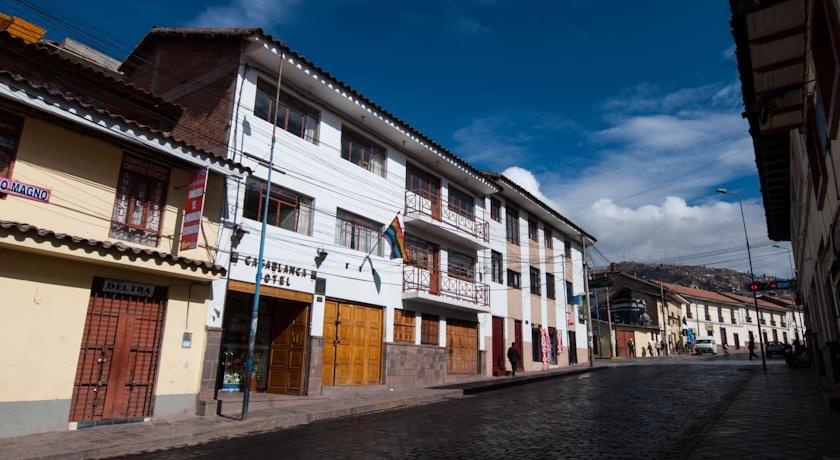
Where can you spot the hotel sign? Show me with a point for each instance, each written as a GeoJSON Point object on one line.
{"type": "Point", "coordinates": [13, 187]}
{"type": "Point", "coordinates": [274, 272]}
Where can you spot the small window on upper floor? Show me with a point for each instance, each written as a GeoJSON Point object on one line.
{"type": "Point", "coordinates": [140, 201]}
{"type": "Point", "coordinates": [514, 279]}
{"type": "Point", "coordinates": [460, 266]}
{"type": "Point", "coordinates": [533, 234]}
{"type": "Point", "coordinates": [496, 266]}
{"type": "Point", "coordinates": [363, 152]}
{"type": "Point", "coordinates": [292, 115]}
{"type": "Point", "coordinates": [549, 238]}
{"type": "Point", "coordinates": [512, 225]}
{"type": "Point", "coordinates": [286, 209]}
{"type": "Point", "coordinates": [495, 209]}
{"type": "Point", "coordinates": [567, 249]}
{"type": "Point", "coordinates": [461, 203]}
{"type": "Point", "coordinates": [535, 280]}
{"type": "Point", "coordinates": [10, 128]}
{"type": "Point", "coordinates": [549, 286]}
{"type": "Point", "coordinates": [356, 232]}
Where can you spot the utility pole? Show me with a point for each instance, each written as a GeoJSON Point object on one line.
{"type": "Point", "coordinates": [609, 325]}
{"type": "Point", "coordinates": [666, 318]}
{"type": "Point", "coordinates": [255, 306]}
{"type": "Point", "coordinates": [588, 308]}
{"type": "Point", "coordinates": [598, 326]}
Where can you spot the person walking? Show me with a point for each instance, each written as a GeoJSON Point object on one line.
{"type": "Point", "coordinates": [631, 348]}
{"type": "Point", "coordinates": [658, 348]}
{"type": "Point", "coordinates": [514, 358]}
{"type": "Point", "coordinates": [650, 350]}
{"type": "Point", "coordinates": [751, 348]}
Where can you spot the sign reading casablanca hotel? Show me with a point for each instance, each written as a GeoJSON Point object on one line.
{"type": "Point", "coordinates": [16, 188]}
{"type": "Point", "coordinates": [275, 272]}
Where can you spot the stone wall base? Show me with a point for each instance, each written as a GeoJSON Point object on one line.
{"type": "Point", "coordinates": [414, 366]}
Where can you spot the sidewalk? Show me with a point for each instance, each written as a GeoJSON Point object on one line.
{"type": "Point", "coordinates": [164, 433]}
{"type": "Point", "coordinates": [780, 414]}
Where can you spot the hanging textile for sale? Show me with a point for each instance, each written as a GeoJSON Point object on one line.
{"type": "Point", "coordinates": [544, 341]}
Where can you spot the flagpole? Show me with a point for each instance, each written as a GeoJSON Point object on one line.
{"type": "Point", "coordinates": [385, 229]}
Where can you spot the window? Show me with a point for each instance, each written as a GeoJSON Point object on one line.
{"type": "Point", "coordinates": [362, 152]}
{"type": "Point", "coordinates": [460, 266]}
{"type": "Point", "coordinates": [356, 232]}
{"type": "Point", "coordinates": [10, 128]}
{"type": "Point", "coordinates": [461, 203]}
{"type": "Point", "coordinates": [688, 312]}
{"type": "Point", "coordinates": [708, 316]}
{"type": "Point", "coordinates": [496, 266]}
{"type": "Point", "coordinates": [514, 279]}
{"type": "Point", "coordinates": [535, 281]}
{"type": "Point", "coordinates": [495, 209]}
{"type": "Point", "coordinates": [826, 65]}
{"type": "Point", "coordinates": [723, 339]}
{"type": "Point", "coordinates": [549, 286]}
{"type": "Point", "coordinates": [732, 316]}
{"type": "Point", "coordinates": [567, 249]}
{"type": "Point", "coordinates": [292, 115]}
{"type": "Point", "coordinates": [512, 225]}
{"type": "Point", "coordinates": [429, 330]}
{"type": "Point", "coordinates": [720, 314]}
{"type": "Point", "coordinates": [286, 209]}
{"type": "Point", "coordinates": [532, 230]}
{"type": "Point", "coordinates": [141, 197]}
{"type": "Point", "coordinates": [421, 253]}
{"type": "Point", "coordinates": [403, 326]}
{"type": "Point", "coordinates": [570, 292]}
{"type": "Point", "coordinates": [549, 238]}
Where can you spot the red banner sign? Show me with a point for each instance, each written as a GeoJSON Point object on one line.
{"type": "Point", "coordinates": [193, 209]}
{"type": "Point", "coordinates": [31, 192]}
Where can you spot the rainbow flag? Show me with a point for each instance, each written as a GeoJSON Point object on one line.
{"type": "Point", "coordinates": [395, 237]}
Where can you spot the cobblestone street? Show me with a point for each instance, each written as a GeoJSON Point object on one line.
{"type": "Point", "coordinates": [633, 411]}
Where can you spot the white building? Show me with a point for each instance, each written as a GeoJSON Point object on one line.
{"type": "Point", "coordinates": [344, 167]}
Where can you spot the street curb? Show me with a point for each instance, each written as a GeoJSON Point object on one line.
{"type": "Point", "coordinates": [471, 388]}
{"type": "Point", "coordinates": [125, 447]}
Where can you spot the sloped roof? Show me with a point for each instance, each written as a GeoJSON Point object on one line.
{"type": "Point", "coordinates": [115, 249]}
{"type": "Point", "coordinates": [699, 293]}
{"type": "Point", "coordinates": [749, 301]}
{"type": "Point", "coordinates": [243, 33]}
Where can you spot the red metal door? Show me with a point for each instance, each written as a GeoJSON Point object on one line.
{"type": "Point", "coordinates": [517, 334]}
{"type": "Point", "coordinates": [117, 367]}
{"type": "Point", "coordinates": [498, 346]}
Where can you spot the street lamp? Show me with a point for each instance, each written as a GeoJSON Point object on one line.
{"type": "Point", "coordinates": [790, 260]}
{"type": "Point", "coordinates": [752, 275]}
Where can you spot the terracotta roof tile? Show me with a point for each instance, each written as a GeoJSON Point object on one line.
{"type": "Point", "coordinates": [112, 247]}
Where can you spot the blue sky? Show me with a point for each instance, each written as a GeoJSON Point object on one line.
{"type": "Point", "coordinates": [587, 103]}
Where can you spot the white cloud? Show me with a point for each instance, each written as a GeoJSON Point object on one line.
{"type": "Point", "coordinates": [471, 27]}
{"type": "Point", "coordinates": [676, 232]}
{"type": "Point", "coordinates": [251, 13]}
{"type": "Point", "coordinates": [729, 53]}
{"type": "Point", "coordinates": [527, 180]}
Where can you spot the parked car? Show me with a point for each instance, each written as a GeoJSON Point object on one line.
{"type": "Point", "coordinates": [774, 349]}
{"type": "Point", "coordinates": [705, 345]}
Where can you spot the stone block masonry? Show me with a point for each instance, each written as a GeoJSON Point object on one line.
{"type": "Point", "coordinates": [411, 366]}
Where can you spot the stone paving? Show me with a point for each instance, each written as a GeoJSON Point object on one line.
{"type": "Point", "coordinates": [632, 411]}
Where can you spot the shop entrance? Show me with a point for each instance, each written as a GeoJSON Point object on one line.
{"type": "Point", "coordinates": [281, 343]}
{"type": "Point", "coordinates": [118, 361]}
{"type": "Point", "coordinates": [352, 344]}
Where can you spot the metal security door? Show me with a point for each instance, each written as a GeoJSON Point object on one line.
{"type": "Point", "coordinates": [119, 355]}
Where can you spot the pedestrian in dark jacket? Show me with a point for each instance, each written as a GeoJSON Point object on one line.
{"type": "Point", "coordinates": [751, 348]}
{"type": "Point", "coordinates": [513, 357]}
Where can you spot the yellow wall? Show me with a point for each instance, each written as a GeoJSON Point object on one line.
{"type": "Point", "coordinates": [82, 172]}
{"type": "Point", "coordinates": [44, 306]}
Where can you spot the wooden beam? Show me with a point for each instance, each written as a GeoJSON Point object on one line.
{"type": "Point", "coordinates": [248, 288]}
{"type": "Point", "coordinates": [776, 36]}
{"type": "Point", "coordinates": [780, 64]}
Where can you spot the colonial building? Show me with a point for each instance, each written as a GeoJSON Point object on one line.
{"type": "Point", "coordinates": [789, 63]}
{"type": "Point", "coordinates": [105, 273]}
{"type": "Point", "coordinates": [336, 310]}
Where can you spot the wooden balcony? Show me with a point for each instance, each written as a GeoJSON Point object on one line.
{"type": "Point", "coordinates": [438, 288]}
{"type": "Point", "coordinates": [427, 213]}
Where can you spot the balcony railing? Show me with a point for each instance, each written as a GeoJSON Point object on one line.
{"type": "Point", "coordinates": [708, 317]}
{"type": "Point", "coordinates": [763, 321]}
{"type": "Point", "coordinates": [465, 221]}
{"type": "Point", "coordinates": [784, 323]}
{"type": "Point", "coordinates": [720, 319]}
{"type": "Point", "coordinates": [749, 320]}
{"type": "Point", "coordinates": [772, 322]}
{"type": "Point", "coordinates": [441, 284]}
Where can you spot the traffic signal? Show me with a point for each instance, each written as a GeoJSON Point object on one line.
{"type": "Point", "coordinates": [771, 285]}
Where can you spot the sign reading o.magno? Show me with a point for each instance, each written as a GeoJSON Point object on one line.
{"type": "Point", "coordinates": [31, 192]}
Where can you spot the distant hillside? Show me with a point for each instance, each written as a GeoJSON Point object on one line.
{"type": "Point", "coordinates": [708, 278]}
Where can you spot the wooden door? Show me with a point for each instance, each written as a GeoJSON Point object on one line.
{"type": "Point", "coordinates": [118, 360]}
{"type": "Point", "coordinates": [461, 347]}
{"type": "Point", "coordinates": [352, 344]}
{"type": "Point", "coordinates": [425, 255]}
{"type": "Point", "coordinates": [623, 338]}
{"type": "Point", "coordinates": [288, 349]}
{"type": "Point", "coordinates": [426, 186]}
{"type": "Point", "coordinates": [517, 339]}
{"type": "Point", "coordinates": [498, 346]}
{"type": "Point", "coordinates": [434, 272]}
